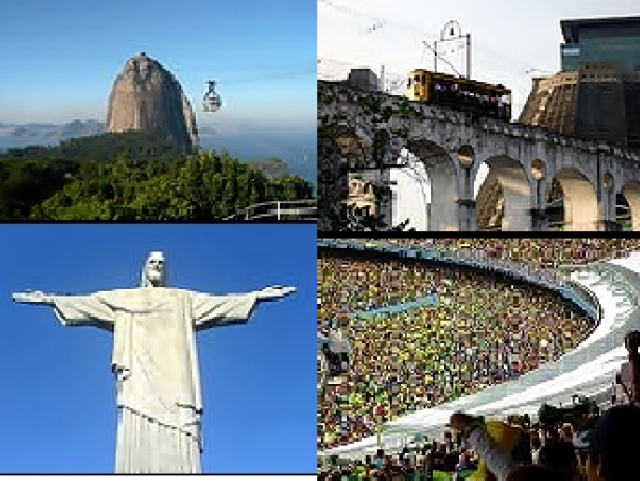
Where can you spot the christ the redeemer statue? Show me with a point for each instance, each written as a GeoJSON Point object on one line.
{"type": "Point", "coordinates": [155, 360]}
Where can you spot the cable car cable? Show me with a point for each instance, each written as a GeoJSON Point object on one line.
{"type": "Point", "coordinates": [212, 101]}
{"type": "Point", "coordinates": [262, 78]}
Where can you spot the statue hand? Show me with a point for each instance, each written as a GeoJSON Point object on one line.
{"type": "Point", "coordinates": [31, 297]}
{"type": "Point", "coordinates": [274, 292]}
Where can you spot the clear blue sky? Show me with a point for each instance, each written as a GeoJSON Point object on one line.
{"type": "Point", "coordinates": [57, 401]}
{"type": "Point", "coordinates": [58, 60]}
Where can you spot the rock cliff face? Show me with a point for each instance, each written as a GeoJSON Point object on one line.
{"type": "Point", "coordinates": [147, 98]}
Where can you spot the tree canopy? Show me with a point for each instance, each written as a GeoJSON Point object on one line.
{"type": "Point", "coordinates": [133, 177]}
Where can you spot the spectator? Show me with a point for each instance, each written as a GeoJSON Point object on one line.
{"type": "Point", "coordinates": [535, 473]}
{"type": "Point", "coordinates": [561, 457]}
{"type": "Point", "coordinates": [611, 445]}
{"type": "Point", "coordinates": [632, 343]}
{"type": "Point", "coordinates": [499, 455]}
{"type": "Point", "coordinates": [535, 446]}
{"type": "Point", "coordinates": [566, 433]}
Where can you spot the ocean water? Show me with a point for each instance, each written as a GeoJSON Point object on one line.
{"type": "Point", "coordinates": [300, 161]}
{"type": "Point", "coordinates": [21, 142]}
{"type": "Point", "coordinates": [300, 153]}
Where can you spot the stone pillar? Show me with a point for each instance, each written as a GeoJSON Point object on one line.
{"type": "Point", "coordinates": [467, 204]}
{"type": "Point", "coordinates": [608, 225]}
{"type": "Point", "coordinates": [539, 219]}
{"type": "Point", "coordinates": [467, 214]}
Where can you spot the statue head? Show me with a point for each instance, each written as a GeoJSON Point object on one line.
{"type": "Point", "coordinates": [154, 272]}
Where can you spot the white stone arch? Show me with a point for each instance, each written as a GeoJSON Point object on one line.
{"type": "Point", "coordinates": [442, 172]}
{"type": "Point", "coordinates": [504, 198]}
{"type": "Point", "coordinates": [579, 201]}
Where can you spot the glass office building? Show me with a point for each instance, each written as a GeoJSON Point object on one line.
{"type": "Point", "coordinates": [613, 40]}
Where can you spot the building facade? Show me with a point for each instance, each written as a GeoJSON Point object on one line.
{"type": "Point", "coordinates": [596, 95]}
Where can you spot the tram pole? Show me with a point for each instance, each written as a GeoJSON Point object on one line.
{"type": "Point", "coordinates": [468, 56]}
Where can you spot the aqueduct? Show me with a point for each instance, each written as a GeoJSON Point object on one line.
{"type": "Point", "coordinates": [537, 180]}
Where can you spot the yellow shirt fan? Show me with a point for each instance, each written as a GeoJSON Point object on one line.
{"type": "Point", "coordinates": [510, 437]}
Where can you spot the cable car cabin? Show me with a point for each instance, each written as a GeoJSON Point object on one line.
{"type": "Point", "coordinates": [211, 101]}
{"type": "Point", "coordinates": [460, 94]}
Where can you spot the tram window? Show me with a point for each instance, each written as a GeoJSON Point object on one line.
{"type": "Point", "coordinates": [418, 77]}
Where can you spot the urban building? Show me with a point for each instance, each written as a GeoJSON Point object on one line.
{"type": "Point", "coordinates": [596, 95]}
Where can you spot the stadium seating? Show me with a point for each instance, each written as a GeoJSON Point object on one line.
{"type": "Point", "coordinates": [483, 330]}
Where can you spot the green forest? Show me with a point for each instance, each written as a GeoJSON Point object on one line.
{"type": "Point", "coordinates": [133, 176]}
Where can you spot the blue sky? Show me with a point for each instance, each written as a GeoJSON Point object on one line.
{"type": "Point", "coordinates": [57, 402]}
{"type": "Point", "coordinates": [59, 59]}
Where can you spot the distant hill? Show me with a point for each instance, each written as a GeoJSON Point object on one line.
{"type": "Point", "coordinates": [105, 147]}
{"type": "Point", "coordinates": [271, 167]}
{"type": "Point", "coordinates": [77, 128]}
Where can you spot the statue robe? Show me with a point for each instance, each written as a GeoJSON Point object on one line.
{"type": "Point", "coordinates": [155, 362]}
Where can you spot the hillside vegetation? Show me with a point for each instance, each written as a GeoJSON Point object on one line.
{"type": "Point", "coordinates": [133, 177]}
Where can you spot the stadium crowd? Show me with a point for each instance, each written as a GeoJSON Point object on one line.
{"type": "Point", "coordinates": [541, 253]}
{"type": "Point", "coordinates": [483, 330]}
{"type": "Point", "coordinates": [563, 445]}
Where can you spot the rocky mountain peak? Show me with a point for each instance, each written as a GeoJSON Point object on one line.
{"type": "Point", "coordinates": [148, 98]}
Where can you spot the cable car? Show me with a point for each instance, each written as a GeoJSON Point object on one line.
{"type": "Point", "coordinates": [211, 100]}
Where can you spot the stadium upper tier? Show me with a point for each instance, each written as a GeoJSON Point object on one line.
{"type": "Point", "coordinates": [587, 370]}
{"type": "Point", "coordinates": [550, 279]}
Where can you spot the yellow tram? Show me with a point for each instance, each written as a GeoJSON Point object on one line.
{"type": "Point", "coordinates": [459, 93]}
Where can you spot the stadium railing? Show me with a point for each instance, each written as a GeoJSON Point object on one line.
{"type": "Point", "coordinates": [279, 210]}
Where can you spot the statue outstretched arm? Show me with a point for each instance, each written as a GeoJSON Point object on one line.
{"type": "Point", "coordinates": [88, 310]}
{"type": "Point", "coordinates": [212, 311]}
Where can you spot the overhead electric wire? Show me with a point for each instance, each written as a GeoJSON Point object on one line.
{"type": "Point", "coordinates": [385, 21]}
{"type": "Point", "coordinates": [441, 58]}
{"type": "Point", "coordinates": [494, 56]}
{"type": "Point", "coordinates": [381, 23]}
